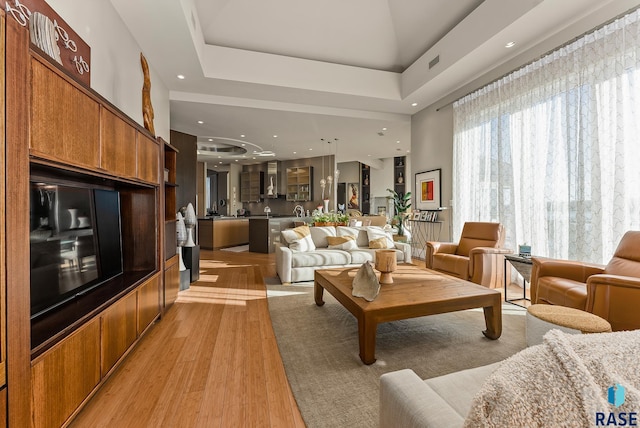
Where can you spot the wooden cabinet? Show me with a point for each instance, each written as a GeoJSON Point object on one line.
{"type": "Point", "coordinates": [299, 181]}
{"type": "Point", "coordinates": [65, 375]}
{"type": "Point", "coordinates": [64, 123]}
{"type": "Point", "coordinates": [119, 330]}
{"type": "Point", "coordinates": [148, 302]}
{"type": "Point", "coordinates": [117, 145]}
{"type": "Point", "coordinates": [399, 175]}
{"type": "Point", "coordinates": [148, 156]}
{"type": "Point", "coordinates": [171, 280]}
{"type": "Point", "coordinates": [251, 184]}
{"type": "Point", "coordinates": [365, 192]}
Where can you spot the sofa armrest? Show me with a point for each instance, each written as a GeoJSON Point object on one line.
{"type": "Point", "coordinates": [434, 247]}
{"type": "Point", "coordinates": [283, 263]}
{"type": "Point", "coordinates": [407, 401]}
{"type": "Point", "coordinates": [486, 266]}
{"type": "Point", "coordinates": [406, 249]}
{"type": "Point", "coordinates": [569, 269]}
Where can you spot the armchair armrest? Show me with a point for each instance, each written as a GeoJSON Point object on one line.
{"type": "Point", "coordinates": [615, 298]}
{"type": "Point", "coordinates": [438, 247]}
{"type": "Point", "coordinates": [486, 265]}
{"type": "Point", "coordinates": [574, 270]}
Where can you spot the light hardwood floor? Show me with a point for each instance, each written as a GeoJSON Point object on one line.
{"type": "Point", "coordinates": [212, 361]}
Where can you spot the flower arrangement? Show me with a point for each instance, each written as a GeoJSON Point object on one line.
{"type": "Point", "coordinates": [331, 218]}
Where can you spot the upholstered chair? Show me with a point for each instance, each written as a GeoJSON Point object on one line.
{"type": "Point", "coordinates": [478, 256]}
{"type": "Point", "coordinates": [611, 292]}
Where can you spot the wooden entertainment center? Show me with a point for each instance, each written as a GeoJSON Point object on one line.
{"type": "Point", "coordinates": [56, 125]}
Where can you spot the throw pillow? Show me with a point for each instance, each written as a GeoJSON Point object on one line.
{"type": "Point", "coordinates": [299, 239]}
{"type": "Point", "coordinates": [378, 238]}
{"type": "Point", "coordinates": [342, 242]}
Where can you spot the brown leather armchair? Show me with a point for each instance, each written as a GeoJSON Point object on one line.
{"type": "Point", "coordinates": [478, 257]}
{"type": "Point", "coordinates": [611, 292]}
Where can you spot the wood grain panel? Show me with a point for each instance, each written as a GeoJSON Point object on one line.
{"type": "Point", "coordinates": [3, 407]}
{"type": "Point", "coordinates": [65, 375]}
{"type": "Point", "coordinates": [171, 280]}
{"type": "Point", "coordinates": [148, 159]}
{"type": "Point", "coordinates": [3, 307]}
{"type": "Point", "coordinates": [148, 302]}
{"type": "Point", "coordinates": [17, 225]}
{"type": "Point", "coordinates": [228, 233]}
{"type": "Point", "coordinates": [117, 145]}
{"type": "Point", "coordinates": [119, 330]}
{"type": "Point", "coordinates": [139, 229]}
{"type": "Point", "coordinates": [64, 121]}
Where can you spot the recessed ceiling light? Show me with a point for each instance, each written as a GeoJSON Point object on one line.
{"type": "Point", "coordinates": [243, 144]}
{"type": "Point", "coordinates": [384, 129]}
{"type": "Point", "coordinates": [275, 136]}
{"type": "Point", "coordinates": [220, 162]}
{"type": "Point", "coordinates": [254, 158]}
{"type": "Point", "coordinates": [236, 160]}
{"type": "Point", "coordinates": [220, 157]}
{"type": "Point", "coordinates": [242, 136]}
{"type": "Point", "coordinates": [200, 122]}
{"type": "Point", "coordinates": [310, 149]}
{"type": "Point", "coordinates": [414, 104]}
{"type": "Point", "coordinates": [398, 142]}
{"type": "Point", "coordinates": [180, 76]}
{"type": "Point", "coordinates": [295, 153]}
{"type": "Point", "coordinates": [510, 45]}
{"type": "Point", "coordinates": [210, 139]}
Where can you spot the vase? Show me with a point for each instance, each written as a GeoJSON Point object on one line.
{"type": "Point", "coordinates": [386, 263]}
{"type": "Point", "coordinates": [326, 205]}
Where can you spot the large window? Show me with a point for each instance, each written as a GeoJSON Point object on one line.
{"type": "Point", "coordinates": [552, 150]}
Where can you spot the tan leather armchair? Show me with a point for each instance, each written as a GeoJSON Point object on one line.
{"type": "Point", "coordinates": [611, 292]}
{"type": "Point", "coordinates": [478, 257]}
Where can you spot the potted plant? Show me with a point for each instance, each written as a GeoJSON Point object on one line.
{"type": "Point", "coordinates": [401, 204]}
{"type": "Point", "coordinates": [321, 218]}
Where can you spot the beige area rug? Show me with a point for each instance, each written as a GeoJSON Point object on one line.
{"type": "Point", "coordinates": [319, 348]}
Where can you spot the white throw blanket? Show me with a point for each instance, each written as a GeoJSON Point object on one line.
{"type": "Point", "coordinates": [562, 382]}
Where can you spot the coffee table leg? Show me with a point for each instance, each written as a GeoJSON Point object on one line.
{"type": "Point", "coordinates": [367, 330]}
{"type": "Point", "coordinates": [493, 320]}
{"type": "Point", "coordinates": [318, 292]}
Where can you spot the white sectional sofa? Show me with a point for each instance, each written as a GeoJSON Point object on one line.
{"type": "Point", "coordinates": [297, 266]}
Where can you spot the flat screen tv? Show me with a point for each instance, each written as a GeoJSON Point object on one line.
{"type": "Point", "coordinates": [76, 243]}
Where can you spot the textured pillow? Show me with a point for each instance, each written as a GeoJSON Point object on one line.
{"type": "Point", "coordinates": [299, 239]}
{"type": "Point", "coordinates": [319, 234]}
{"type": "Point", "coordinates": [342, 242]}
{"type": "Point", "coordinates": [362, 240]}
{"type": "Point", "coordinates": [378, 238]}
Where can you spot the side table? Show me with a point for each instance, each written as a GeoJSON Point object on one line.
{"type": "Point", "coordinates": [523, 266]}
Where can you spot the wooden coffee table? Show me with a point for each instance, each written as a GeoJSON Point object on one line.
{"type": "Point", "coordinates": [415, 292]}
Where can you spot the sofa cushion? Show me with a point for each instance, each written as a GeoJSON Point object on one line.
{"type": "Point", "coordinates": [362, 239]}
{"type": "Point", "coordinates": [320, 258]}
{"type": "Point", "coordinates": [319, 235]}
{"type": "Point", "coordinates": [299, 239]}
{"type": "Point", "coordinates": [362, 255]}
{"type": "Point", "coordinates": [342, 242]}
{"type": "Point", "coordinates": [379, 238]}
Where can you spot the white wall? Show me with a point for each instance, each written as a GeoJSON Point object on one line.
{"type": "Point", "coordinates": [432, 130]}
{"type": "Point", "coordinates": [116, 73]}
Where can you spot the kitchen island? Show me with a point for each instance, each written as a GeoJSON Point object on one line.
{"type": "Point", "coordinates": [222, 232]}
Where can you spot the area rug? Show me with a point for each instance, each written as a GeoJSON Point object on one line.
{"type": "Point", "coordinates": [319, 348]}
{"type": "Point", "coordinates": [238, 249]}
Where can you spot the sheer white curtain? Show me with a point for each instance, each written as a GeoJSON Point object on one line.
{"type": "Point", "coordinates": [552, 151]}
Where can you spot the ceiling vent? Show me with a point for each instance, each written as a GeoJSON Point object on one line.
{"type": "Point", "coordinates": [434, 61]}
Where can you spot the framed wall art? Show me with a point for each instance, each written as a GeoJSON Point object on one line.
{"type": "Point", "coordinates": [428, 190]}
{"type": "Point", "coordinates": [353, 196]}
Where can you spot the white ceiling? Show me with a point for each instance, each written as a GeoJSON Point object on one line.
{"type": "Point", "coordinates": [333, 69]}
